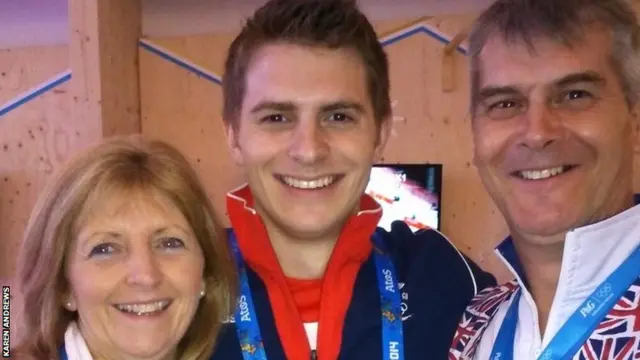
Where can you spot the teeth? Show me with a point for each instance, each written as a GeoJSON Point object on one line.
{"type": "Point", "coordinates": [143, 309]}
{"type": "Point", "coordinates": [541, 174]}
{"type": "Point", "coordinates": [311, 184]}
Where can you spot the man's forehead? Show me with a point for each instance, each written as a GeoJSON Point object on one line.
{"type": "Point", "coordinates": [543, 61]}
{"type": "Point", "coordinates": [278, 56]}
{"type": "Point", "coordinates": [304, 76]}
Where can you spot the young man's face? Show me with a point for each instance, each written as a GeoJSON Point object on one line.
{"type": "Point", "coordinates": [554, 135]}
{"type": "Point", "coordinates": [306, 137]}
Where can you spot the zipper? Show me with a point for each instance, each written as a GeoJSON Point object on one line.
{"type": "Point", "coordinates": [314, 355]}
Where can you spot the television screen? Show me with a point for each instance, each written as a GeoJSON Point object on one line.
{"type": "Point", "coordinates": [407, 192]}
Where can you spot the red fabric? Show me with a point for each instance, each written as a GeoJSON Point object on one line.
{"type": "Point", "coordinates": [295, 301]}
{"type": "Point", "coordinates": [306, 296]}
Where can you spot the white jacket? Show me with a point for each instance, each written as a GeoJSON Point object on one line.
{"type": "Point", "coordinates": [591, 254]}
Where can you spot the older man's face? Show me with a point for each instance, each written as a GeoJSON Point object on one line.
{"type": "Point", "coordinates": [554, 135]}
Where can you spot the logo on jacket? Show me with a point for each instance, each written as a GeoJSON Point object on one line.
{"type": "Point", "coordinates": [403, 305]}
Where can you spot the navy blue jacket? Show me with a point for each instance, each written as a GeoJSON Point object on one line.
{"type": "Point", "coordinates": [436, 279]}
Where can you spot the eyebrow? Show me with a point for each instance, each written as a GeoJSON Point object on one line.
{"type": "Point", "coordinates": [273, 105]}
{"type": "Point", "coordinates": [343, 105]}
{"type": "Point", "coordinates": [112, 234]}
{"type": "Point", "coordinates": [171, 227]}
{"type": "Point", "coordinates": [570, 79]}
{"type": "Point", "coordinates": [581, 77]}
{"type": "Point", "coordinates": [287, 106]}
{"type": "Point", "coordinates": [491, 91]}
{"type": "Point", "coordinates": [90, 236]}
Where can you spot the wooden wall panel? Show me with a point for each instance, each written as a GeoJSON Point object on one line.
{"type": "Point", "coordinates": [184, 109]}
{"type": "Point", "coordinates": [34, 139]}
{"type": "Point", "coordinates": [104, 60]}
{"type": "Point", "coordinates": [23, 68]}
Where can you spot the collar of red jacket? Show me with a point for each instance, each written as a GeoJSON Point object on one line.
{"type": "Point", "coordinates": [354, 242]}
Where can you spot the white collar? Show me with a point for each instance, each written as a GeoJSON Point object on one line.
{"type": "Point", "coordinates": [74, 344]}
{"type": "Point", "coordinates": [591, 254]}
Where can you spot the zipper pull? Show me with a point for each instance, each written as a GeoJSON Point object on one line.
{"type": "Point", "coordinates": [314, 355]}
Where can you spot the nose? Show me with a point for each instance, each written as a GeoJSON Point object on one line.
{"type": "Point", "coordinates": [308, 143]}
{"type": "Point", "coordinates": [143, 269]}
{"type": "Point", "coordinates": [542, 127]}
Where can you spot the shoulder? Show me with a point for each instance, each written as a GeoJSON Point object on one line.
{"type": "Point", "coordinates": [33, 354]}
{"type": "Point", "coordinates": [493, 295]}
{"type": "Point", "coordinates": [477, 318]}
{"type": "Point", "coordinates": [227, 344]}
{"type": "Point", "coordinates": [432, 251]}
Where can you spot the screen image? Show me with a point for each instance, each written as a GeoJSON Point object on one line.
{"type": "Point", "coordinates": [409, 193]}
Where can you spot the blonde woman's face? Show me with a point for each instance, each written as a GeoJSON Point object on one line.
{"type": "Point", "coordinates": [135, 273]}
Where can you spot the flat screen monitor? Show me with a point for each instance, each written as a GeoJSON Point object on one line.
{"type": "Point", "coordinates": [408, 192]}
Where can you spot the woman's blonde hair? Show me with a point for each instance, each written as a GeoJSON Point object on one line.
{"type": "Point", "coordinates": [117, 164]}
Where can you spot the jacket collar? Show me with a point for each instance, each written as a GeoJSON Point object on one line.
{"type": "Point", "coordinates": [591, 253]}
{"type": "Point", "coordinates": [255, 245]}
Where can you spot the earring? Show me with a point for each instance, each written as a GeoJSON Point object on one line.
{"type": "Point", "coordinates": [203, 287]}
{"type": "Point", "coordinates": [69, 306]}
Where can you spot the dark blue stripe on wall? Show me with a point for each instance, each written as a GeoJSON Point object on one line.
{"type": "Point", "coordinates": [14, 104]}
{"type": "Point", "coordinates": [180, 63]}
{"type": "Point", "coordinates": [424, 30]}
{"type": "Point", "coordinates": [171, 58]}
{"type": "Point", "coordinates": [386, 42]}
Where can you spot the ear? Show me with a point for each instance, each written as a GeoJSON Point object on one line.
{"type": "Point", "coordinates": [384, 132]}
{"type": "Point", "coordinates": [231, 130]}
